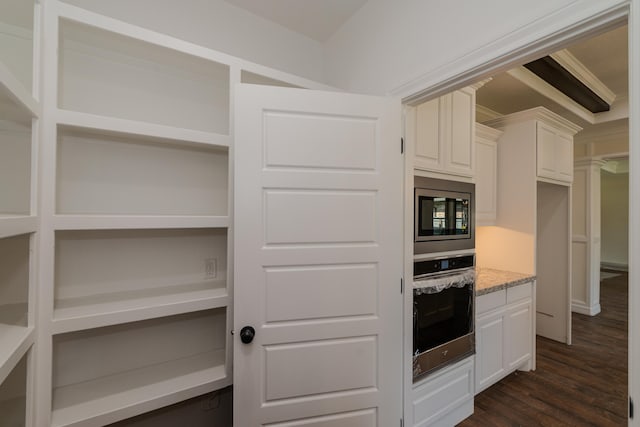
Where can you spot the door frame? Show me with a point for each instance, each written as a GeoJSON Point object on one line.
{"type": "Point", "coordinates": [545, 36]}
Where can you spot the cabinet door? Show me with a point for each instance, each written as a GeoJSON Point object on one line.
{"type": "Point", "coordinates": [519, 331]}
{"type": "Point", "coordinates": [428, 150]}
{"type": "Point", "coordinates": [490, 361]}
{"type": "Point", "coordinates": [486, 181]}
{"type": "Point", "coordinates": [564, 158]}
{"type": "Point", "coordinates": [460, 130]}
{"type": "Point", "coordinates": [546, 152]}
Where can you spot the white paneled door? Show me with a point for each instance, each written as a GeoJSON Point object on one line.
{"type": "Point", "coordinates": [318, 259]}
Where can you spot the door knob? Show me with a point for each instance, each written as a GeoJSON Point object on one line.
{"type": "Point", "coordinates": [246, 334]}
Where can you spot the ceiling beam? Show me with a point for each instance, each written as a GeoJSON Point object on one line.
{"type": "Point", "coordinates": [557, 76]}
{"type": "Point", "coordinates": [545, 89]}
{"type": "Point", "coordinates": [582, 73]}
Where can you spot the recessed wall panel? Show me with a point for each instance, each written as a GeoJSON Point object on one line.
{"type": "Point", "coordinates": [580, 260]}
{"type": "Point", "coordinates": [366, 418]}
{"type": "Point", "coordinates": [319, 216]}
{"type": "Point", "coordinates": [311, 368]}
{"type": "Point", "coordinates": [579, 202]}
{"type": "Point", "coordinates": [320, 292]}
{"type": "Point", "coordinates": [319, 141]}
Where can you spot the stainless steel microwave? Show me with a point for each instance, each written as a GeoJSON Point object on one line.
{"type": "Point", "coordinates": [444, 215]}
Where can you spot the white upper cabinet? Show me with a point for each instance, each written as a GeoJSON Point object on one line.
{"type": "Point", "coordinates": [444, 134]}
{"type": "Point", "coordinates": [553, 138]}
{"type": "Point", "coordinates": [555, 153]}
{"type": "Point", "coordinates": [486, 174]}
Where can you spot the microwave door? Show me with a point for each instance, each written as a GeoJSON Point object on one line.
{"type": "Point", "coordinates": [427, 224]}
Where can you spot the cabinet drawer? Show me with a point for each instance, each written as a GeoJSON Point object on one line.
{"type": "Point", "coordinates": [518, 292]}
{"type": "Point", "coordinates": [490, 301]}
{"type": "Point", "coordinates": [438, 395]}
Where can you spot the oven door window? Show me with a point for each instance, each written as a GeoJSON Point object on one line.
{"type": "Point", "coordinates": [442, 214]}
{"type": "Point", "coordinates": [441, 317]}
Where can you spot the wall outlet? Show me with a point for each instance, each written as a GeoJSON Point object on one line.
{"type": "Point", "coordinates": [210, 268]}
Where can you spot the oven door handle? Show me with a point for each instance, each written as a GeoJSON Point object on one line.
{"type": "Point", "coordinates": [438, 282]}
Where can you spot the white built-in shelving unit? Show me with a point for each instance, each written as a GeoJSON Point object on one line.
{"type": "Point", "coordinates": [19, 114]}
{"type": "Point", "coordinates": [135, 280]}
{"type": "Point", "coordinates": [138, 153]}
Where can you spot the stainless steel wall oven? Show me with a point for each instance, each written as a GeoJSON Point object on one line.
{"type": "Point", "coordinates": [443, 312]}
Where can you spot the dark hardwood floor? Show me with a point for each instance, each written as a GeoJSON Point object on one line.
{"type": "Point", "coordinates": [584, 384]}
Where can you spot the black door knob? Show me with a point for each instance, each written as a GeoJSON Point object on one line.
{"type": "Point", "coordinates": [246, 334]}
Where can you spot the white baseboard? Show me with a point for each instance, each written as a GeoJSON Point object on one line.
{"type": "Point", "coordinates": [581, 308]}
{"type": "Point", "coordinates": [614, 266]}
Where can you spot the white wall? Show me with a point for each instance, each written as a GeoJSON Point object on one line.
{"type": "Point", "coordinates": [389, 43]}
{"type": "Point", "coordinates": [615, 219]}
{"type": "Point", "coordinates": [223, 27]}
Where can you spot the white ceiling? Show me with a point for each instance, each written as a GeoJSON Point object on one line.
{"type": "Point", "coordinates": [317, 19]}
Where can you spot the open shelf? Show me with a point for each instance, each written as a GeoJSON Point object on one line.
{"type": "Point", "coordinates": [109, 74]}
{"type": "Point", "coordinates": [108, 374]}
{"type": "Point", "coordinates": [14, 225]}
{"type": "Point", "coordinates": [207, 410]}
{"type": "Point", "coordinates": [15, 168]}
{"type": "Point", "coordinates": [13, 395]}
{"type": "Point", "coordinates": [109, 175]}
{"type": "Point", "coordinates": [94, 311]}
{"type": "Point", "coordinates": [15, 99]}
{"type": "Point", "coordinates": [123, 222]}
{"type": "Point", "coordinates": [14, 343]}
{"type": "Point", "coordinates": [14, 280]}
{"type": "Point", "coordinates": [16, 54]}
{"type": "Point", "coordinates": [113, 276]}
{"type": "Point", "coordinates": [130, 128]}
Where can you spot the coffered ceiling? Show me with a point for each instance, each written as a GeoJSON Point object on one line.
{"type": "Point", "coordinates": [604, 57]}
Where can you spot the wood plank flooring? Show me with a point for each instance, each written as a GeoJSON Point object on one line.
{"type": "Point", "coordinates": [584, 384]}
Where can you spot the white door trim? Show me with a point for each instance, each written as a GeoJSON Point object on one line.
{"type": "Point", "coordinates": [546, 35]}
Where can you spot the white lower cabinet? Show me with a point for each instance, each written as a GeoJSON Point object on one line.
{"type": "Point", "coordinates": [519, 335]}
{"type": "Point", "coordinates": [504, 334]}
{"type": "Point", "coordinates": [444, 398]}
{"type": "Point", "coordinates": [490, 348]}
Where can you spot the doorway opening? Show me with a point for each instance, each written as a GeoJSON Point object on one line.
{"type": "Point", "coordinates": [591, 330]}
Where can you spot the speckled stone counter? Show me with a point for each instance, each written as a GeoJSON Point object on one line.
{"type": "Point", "coordinates": [489, 280]}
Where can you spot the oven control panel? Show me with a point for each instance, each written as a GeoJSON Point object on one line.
{"type": "Point", "coordinates": [421, 268]}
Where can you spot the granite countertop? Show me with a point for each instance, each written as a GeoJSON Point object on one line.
{"type": "Point", "coordinates": [489, 280]}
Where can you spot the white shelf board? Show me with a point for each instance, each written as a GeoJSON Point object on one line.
{"type": "Point", "coordinates": [16, 225]}
{"type": "Point", "coordinates": [11, 88]}
{"type": "Point", "coordinates": [77, 14]}
{"type": "Point", "coordinates": [127, 394]}
{"type": "Point", "coordinates": [123, 307]}
{"type": "Point", "coordinates": [121, 222]}
{"type": "Point", "coordinates": [14, 343]}
{"type": "Point", "coordinates": [116, 126]}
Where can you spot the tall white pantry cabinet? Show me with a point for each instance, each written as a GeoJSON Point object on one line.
{"type": "Point", "coordinates": [116, 151]}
